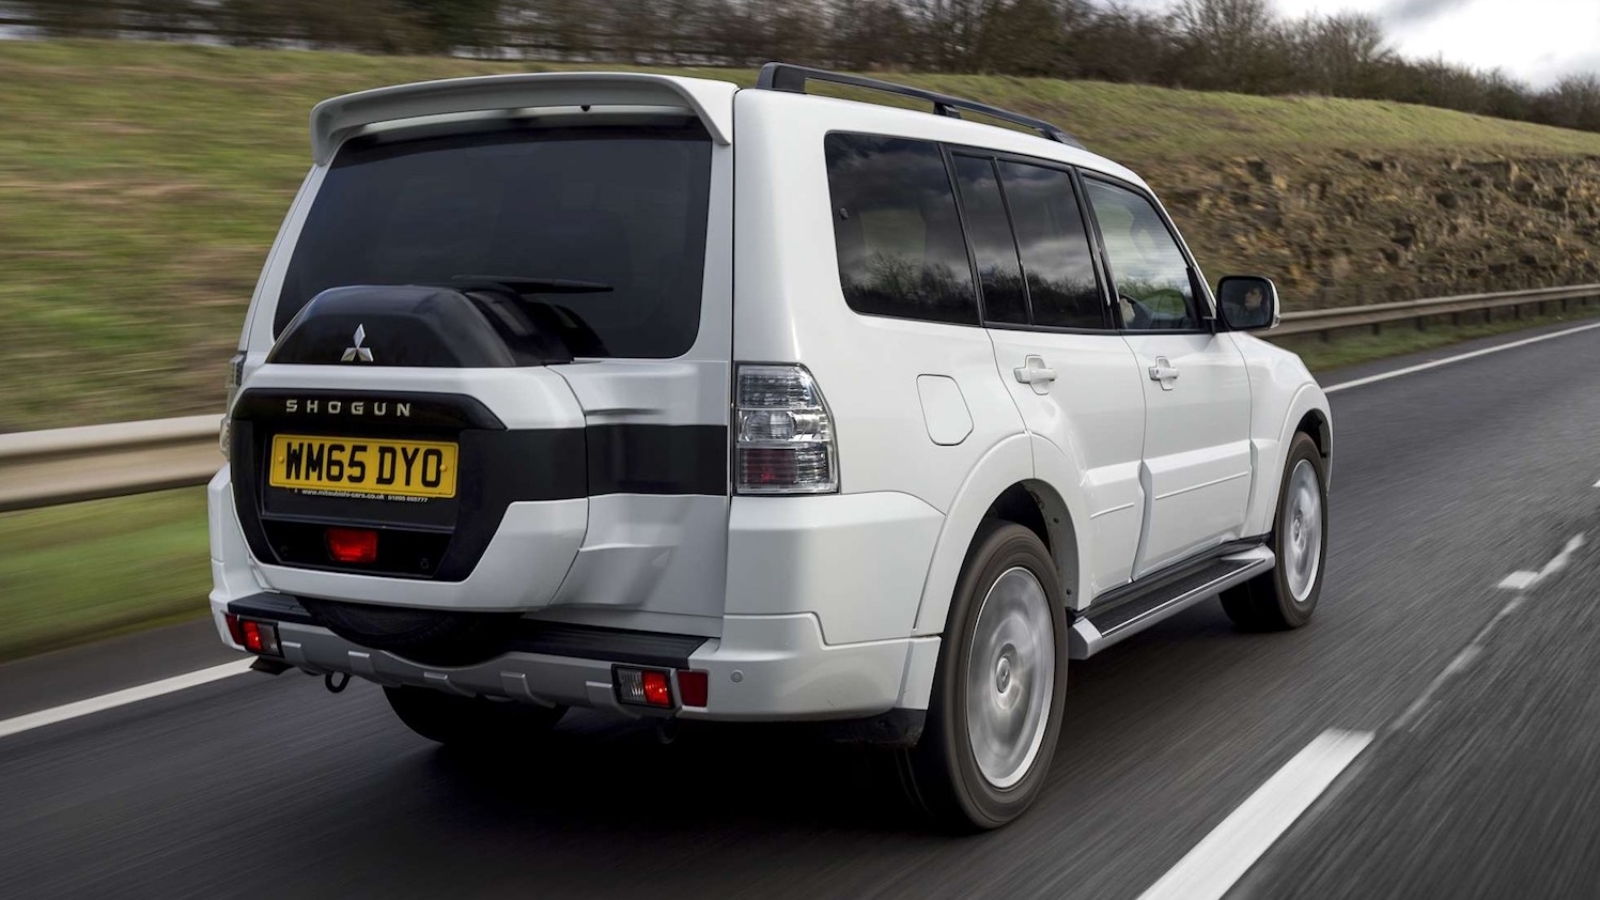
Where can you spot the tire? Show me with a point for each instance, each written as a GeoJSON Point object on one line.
{"type": "Point", "coordinates": [1006, 636]}
{"type": "Point", "coordinates": [1286, 597]}
{"type": "Point", "coordinates": [471, 722]}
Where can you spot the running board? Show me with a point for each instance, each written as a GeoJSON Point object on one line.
{"type": "Point", "coordinates": [1100, 629]}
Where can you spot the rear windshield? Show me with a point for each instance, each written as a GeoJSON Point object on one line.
{"type": "Point", "coordinates": [624, 207]}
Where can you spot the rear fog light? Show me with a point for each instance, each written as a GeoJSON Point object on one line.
{"type": "Point", "coordinates": [353, 545]}
{"type": "Point", "coordinates": [259, 637]}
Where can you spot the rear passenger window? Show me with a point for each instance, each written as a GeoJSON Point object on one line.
{"type": "Point", "coordinates": [1005, 300]}
{"type": "Point", "coordinates": [1054, 247]}
{"type": "Point", "coordinates": [896, 230]}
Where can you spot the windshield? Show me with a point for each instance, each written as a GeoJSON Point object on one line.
{"type": "Point", "coordinates": [618, 206]}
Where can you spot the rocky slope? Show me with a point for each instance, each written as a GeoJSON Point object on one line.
{"type": "Point", "coordinates": [1348, 227]}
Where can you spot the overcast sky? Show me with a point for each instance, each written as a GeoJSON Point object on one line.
{"type": "Point", "coordinates": [1537, 41]}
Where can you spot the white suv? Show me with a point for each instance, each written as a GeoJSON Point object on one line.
{"type": "Point", "coordinates": [663, 397]}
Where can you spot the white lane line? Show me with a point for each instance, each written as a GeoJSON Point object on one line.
{"type": "Point", "coordinates": [1518, 581]}
{"type": "Point", "coordinates": [1212, 867]}
{"type": "Point", "coordinates": [1384, 376]}
{"type": "Point", "coordinates": [1522, 583]}
{"type": "Point", "coordinates": [112, 700]}
{"type": "Point", "coordinates": [1562, 559]}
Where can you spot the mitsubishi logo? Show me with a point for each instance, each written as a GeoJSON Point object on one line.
{"type": "Point", "coordinates": [357, 353]}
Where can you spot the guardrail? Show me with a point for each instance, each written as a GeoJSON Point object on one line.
{"type": "Point", "coordinates": [64, 465]}
{"type": "Point", "coordinates": [1418, 312]}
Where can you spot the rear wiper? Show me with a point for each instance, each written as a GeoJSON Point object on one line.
{"type": "Point", "coordinates": [520, 285]}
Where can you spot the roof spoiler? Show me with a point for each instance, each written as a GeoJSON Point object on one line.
{"type": "Point", "coordinates": [332, 120]}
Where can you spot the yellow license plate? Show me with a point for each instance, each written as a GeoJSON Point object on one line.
{"type": "Point", "coordinates": [364, 466]}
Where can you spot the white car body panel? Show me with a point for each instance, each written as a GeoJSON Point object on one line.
{"type": "Point", "coordinates": [1088, 427]}
{"type": "Point", "coordinates": [810, 607]}
{"type": "Point", "coordinates": [1196, 446]}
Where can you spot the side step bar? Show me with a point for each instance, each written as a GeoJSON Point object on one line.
{"type": "Point", "coordinates": [1100, 629]}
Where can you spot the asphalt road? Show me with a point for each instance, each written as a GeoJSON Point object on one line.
{"type": "Point", "coordinates": [1445, 482]}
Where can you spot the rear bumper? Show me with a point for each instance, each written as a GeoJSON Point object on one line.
{"type": "Point", "coordinates": [763, 668]}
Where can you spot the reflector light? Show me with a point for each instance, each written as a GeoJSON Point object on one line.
{"type": "Point", "coordinates": [657, 690]}
{"type": "Point", "coordinates": [643, 687]}
{"type": "Point", "coordinates": [259, 637]}
{"type": "Point", "coordinates": [352, 545]}
{"type": "Point", "coordinates": [693, 687]}
{"type": "Point", "coordinates": [233, 628]}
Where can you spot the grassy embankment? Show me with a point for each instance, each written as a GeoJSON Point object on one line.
{"type": "Point", "coordinates": [140, 185]}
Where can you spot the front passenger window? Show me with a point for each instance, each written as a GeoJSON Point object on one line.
{"type": "Point", "coordinates": [1150, 273]}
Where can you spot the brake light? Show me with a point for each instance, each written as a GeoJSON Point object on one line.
{"type": "Point", "coordinates": [234, 630]}
{"type": "Point", "coordinates": [352, 545]}
{"type": "Point", "coordinates": [657, 690]}
{"type": "Point", "coordinates": [783, 440]}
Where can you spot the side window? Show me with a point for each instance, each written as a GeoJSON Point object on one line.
{"type": "Point", "coordinates": [1005, 300]}
{"type": "Point", "coordinates": [1054, 247]}
{"type": "Point", "coordinates": [896, 230]}
{"type": "Point", "coordinates": [1150, 273]}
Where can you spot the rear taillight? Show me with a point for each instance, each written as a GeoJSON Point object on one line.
{"type": "Point", "coordinates": [643, 687]}
{"type": "Point", "coordinates": [235, 376]}
{"type": "Point", "coordinates": [654, 687]}
{"type": "Point", "coordinates": [783, 436]}
{"type": "Point", "coordinates": [254, 636]}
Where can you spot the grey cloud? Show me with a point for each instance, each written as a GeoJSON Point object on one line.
{"type": "Point", "coordinates": [1411, 11]}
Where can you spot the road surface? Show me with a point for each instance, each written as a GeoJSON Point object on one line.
{"type": "Point", "coordinates": [1447, 631]}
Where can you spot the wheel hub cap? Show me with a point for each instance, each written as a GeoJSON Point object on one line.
{"type": "Point", "coordinates": [1302, 552]}
{"type": "Point", "coordinates": [1011, 671]}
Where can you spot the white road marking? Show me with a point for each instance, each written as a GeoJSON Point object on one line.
{"type": "Point", "coordinates": [1562, 559]}
{"type": "Point", "coordinates": [1384, 376]}
{"type": "Point", "coordinates": [1212, 867]}
{"type": "Point", "coordinates": [1522, 583]}
{"type": "Point", "coordinates": [1518, 581]}
{"type": "Point", "coordinates": [104, 702]}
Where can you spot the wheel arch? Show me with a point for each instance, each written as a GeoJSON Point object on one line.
{"type": "Point", "coordinates": [1307, 410]}
{"type": "Point", "coordinates": [1316, 424]}
{"type": "Point", "coordinates": [1002, 485]}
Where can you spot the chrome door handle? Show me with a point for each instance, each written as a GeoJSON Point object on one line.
{"type": "Point", "coordinates": [1034, 373]}
{"type": "Point", "coordinates": [1165, 372]}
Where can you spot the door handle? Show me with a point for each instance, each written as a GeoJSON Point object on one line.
{"type": "Point", "coordinates": [1034, 373]}
{"type": "Point", "coordinates": [1165, 372]}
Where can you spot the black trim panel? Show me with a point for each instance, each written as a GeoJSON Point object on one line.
{"type": "Point", "coordinates": [658, 459]}
{"type": "Point", "coordinates": [360, 408]}
{"type": "Point", "coordinates": [1157, 586]}
{"type": "Point", "coordinates": [640, 648]}
{"type": "Point", "coordinates": [274, 607]}
{"type": "Point", "coordinates": [1110, 620]}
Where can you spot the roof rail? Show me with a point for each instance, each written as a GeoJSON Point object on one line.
{"type": "Point", "coordinates": [776, 76]}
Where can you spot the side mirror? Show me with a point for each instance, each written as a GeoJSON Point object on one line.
{"type": "Point", "coordinates": [1247, 302]}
